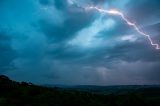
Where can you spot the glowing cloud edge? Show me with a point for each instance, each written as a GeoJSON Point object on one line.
{"type": "Point", "coordinates": [118, 13]}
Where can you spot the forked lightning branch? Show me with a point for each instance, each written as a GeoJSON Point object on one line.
{"type": "Point", "coordinates": [120, 14]}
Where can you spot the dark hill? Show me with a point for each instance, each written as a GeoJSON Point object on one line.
{"type": "Point", "coordinates": [27, 94]}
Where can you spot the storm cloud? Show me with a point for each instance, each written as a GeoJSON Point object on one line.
{"type": "Point", "coordinates": [59, 42]}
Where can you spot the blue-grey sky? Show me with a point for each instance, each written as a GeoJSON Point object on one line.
{"type": "Point", "coordinates": [59, 42]}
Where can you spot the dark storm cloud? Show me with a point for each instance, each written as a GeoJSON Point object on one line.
{"type": "Point", "coordinates": [60, 4]}
{"type": "Point", "coordinates": [44, 2]}
{"type": "Point", "coordinates": [7, 54]}
{"type": "Point", "coordinates": [75, 21]}
{"type": "Point", "coordinates": [129, 52]}
{"type": "Point", "coordinates": [60, 43]}
{"type": "Point", "coordinates": [134, 52]}
{"type": "Point", "coordinates": [145, 11]}
{"type": "Point", "coordinates": [152, 74]}
{"type": "Point", "coordinates": [64, 32]}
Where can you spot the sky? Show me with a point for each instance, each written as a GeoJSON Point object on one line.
{"type": "Point", "coordinates": [60, 42]}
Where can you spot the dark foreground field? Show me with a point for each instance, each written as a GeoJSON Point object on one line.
{"type": "Point", "coordinates": [26, 94]}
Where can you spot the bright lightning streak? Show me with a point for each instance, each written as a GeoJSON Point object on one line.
{"type": "Point", "coordinates": [118, 13]}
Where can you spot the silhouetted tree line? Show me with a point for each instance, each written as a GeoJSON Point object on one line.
{"type": "Point", "coordinates": [27, 94]}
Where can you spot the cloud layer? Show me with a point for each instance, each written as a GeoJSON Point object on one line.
{"type": "Point", "coordinates": [59, 42]}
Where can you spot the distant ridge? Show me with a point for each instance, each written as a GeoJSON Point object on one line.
{"type": "Point", "coordinates": [14, 93]}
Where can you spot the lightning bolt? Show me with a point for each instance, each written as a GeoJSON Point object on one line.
{"type": "Point", "coordinates": [120, 14]}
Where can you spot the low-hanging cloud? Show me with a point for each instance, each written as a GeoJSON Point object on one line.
{"type": "Point", "coordinates": [60, 43]}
